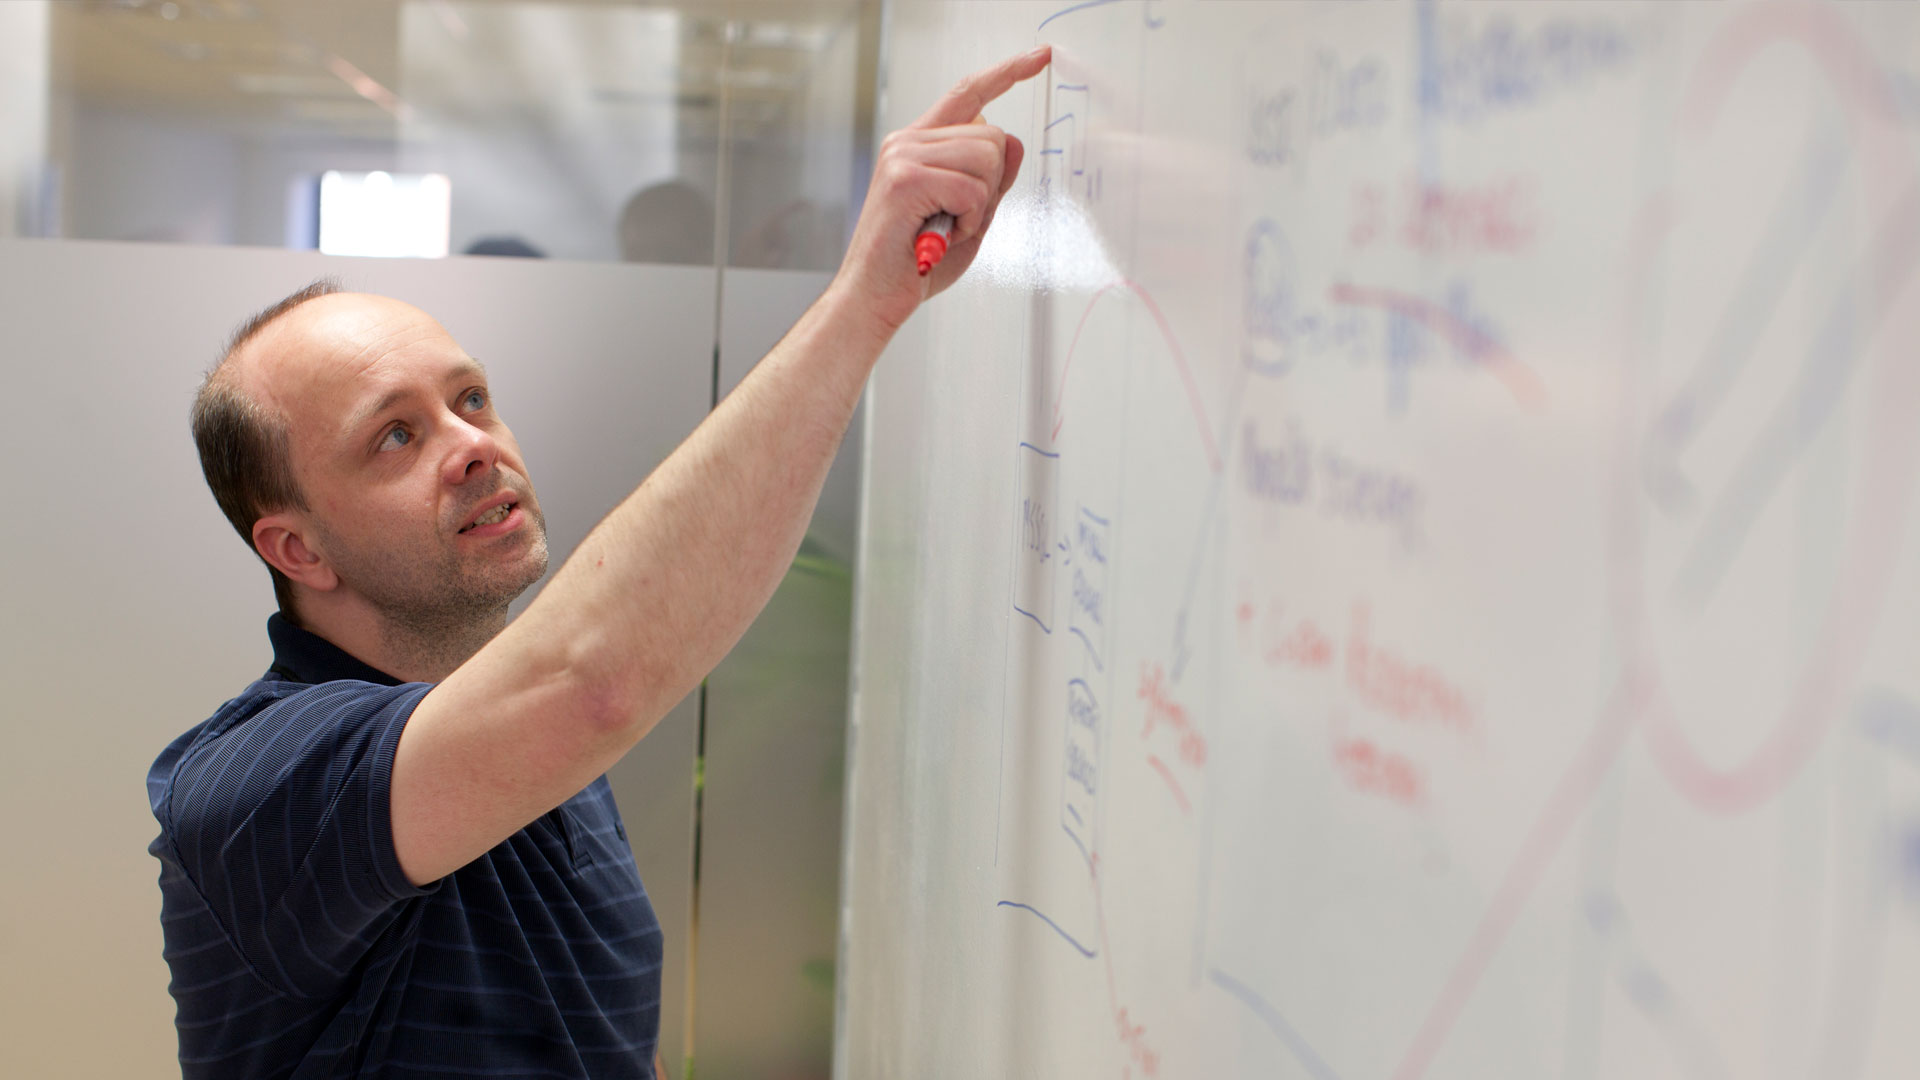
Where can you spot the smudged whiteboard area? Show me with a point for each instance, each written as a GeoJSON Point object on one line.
{"type": "Point", "coordinates": [1400, 562]}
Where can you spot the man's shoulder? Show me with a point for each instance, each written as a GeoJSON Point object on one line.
{"type": "Point", "coordinates": [271, 713]}
{"type": "Point", "coordinates": [258, 695]}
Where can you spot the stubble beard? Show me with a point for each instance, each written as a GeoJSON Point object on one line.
{"type": "Point", "coordinates": [435, 606]}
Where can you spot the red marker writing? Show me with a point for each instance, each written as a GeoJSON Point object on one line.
{"type": "Point", "coordinates": [931, 244]}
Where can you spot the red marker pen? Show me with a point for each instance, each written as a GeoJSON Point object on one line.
{"type": "Point", "coordinates": [931, 244]}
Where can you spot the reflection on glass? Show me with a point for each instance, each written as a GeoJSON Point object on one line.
{"type": "Point", "coordinates": [547, 116]}
{"type": "Point", "coordinates": [668, 222]}
{"type": "Point", "coordinates": [597, 131]}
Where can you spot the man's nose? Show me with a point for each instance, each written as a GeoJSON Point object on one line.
{"type": "Point", "coordinates": [472, 455]}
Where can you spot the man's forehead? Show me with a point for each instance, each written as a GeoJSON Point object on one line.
{"type": "Point", "coordinates": [348, 327]}
{"type": "Point", "coordinates": [340, 344]}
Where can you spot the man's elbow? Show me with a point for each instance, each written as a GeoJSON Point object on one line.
{"type": "Point", "coordinates": [615, 697]}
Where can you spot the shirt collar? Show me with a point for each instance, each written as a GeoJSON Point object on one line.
{"type": "Point", "coordinates": [306, 657]}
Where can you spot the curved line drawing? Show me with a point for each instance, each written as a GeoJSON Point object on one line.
{"type": "Point", "coordinates": [1305, 1054]}
{"type": "Point", "coordinates": [1179, 360]}
{"type": "Point", "coordinates": [1035, 618]}
{"type": "Point", "coordinates": [1042, 916]}
{"type": "Point", "coordinates": [1800, 210]}
{"type": "Point", "coordinates": [1091, 651]}
{"type": "Point", "coordinates": [1083, 5]}
{"type": "Point", "coordinates": [1564, 807]}
{"type": "Point", "coordinates": [1846, 64]}
{"type": "Point", "coordinates": [1858, 599]}
{"type": "Point", "coordinates": [1888, 460]}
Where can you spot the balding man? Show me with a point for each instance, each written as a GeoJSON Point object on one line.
{"type": "Point", "coordinates": [396, 853]}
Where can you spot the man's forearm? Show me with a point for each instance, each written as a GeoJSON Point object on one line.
{"type": "Point", "coordinates": [665, 585]}
{"type": "Point", "coordinates": [669, 581]}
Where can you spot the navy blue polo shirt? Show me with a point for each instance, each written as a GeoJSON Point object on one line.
{"type": "Point", "coordinates": [299, 949]}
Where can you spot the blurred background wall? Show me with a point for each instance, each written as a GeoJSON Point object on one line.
{"type": "Point", "coordinates": [556, 182]}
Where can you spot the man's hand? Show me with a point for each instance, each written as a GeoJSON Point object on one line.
{"type": "Point", "coordinates": [948, 160]}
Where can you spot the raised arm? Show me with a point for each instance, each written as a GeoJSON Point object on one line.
{"type": "Point", "coordinates": [662, 588]}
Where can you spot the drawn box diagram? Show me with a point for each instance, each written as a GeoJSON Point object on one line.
{"type": "Point", "coordinates": [1087, 619]}
{"type": "Point", "coordinates": [1080, 779]}
{"type": "Point", "coordinates": [1036, 547]}
{"type": "Point", "coordinates": [1063, 153]}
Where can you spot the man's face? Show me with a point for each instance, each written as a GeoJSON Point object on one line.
{"type": "Point", "coordinates": [416, 493]}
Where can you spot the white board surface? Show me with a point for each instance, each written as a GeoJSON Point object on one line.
{"type": "Point", "coordinates": [1400, 560]}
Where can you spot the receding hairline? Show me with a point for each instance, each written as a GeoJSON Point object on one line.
{"type": "Point", "coordinates": [240, 352]}
{"type": "Point", "coordinates": [224, 377]}
{"type": "Point", "coordinates": [266, 317]}
{"type": "Point", "coordinates": [363, 308]}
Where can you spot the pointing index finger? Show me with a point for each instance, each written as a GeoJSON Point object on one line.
{"type": "Point", "coordinates": [970, 98]}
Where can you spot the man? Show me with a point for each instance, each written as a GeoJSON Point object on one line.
{"type": "Point", "coordinates": [396, 853]}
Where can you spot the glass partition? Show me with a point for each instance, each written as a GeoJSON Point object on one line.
{"type": "Point", "coordinates": [603, 131]}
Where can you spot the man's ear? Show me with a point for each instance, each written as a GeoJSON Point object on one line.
{"type": "Point", "coordinates": [277, 537]}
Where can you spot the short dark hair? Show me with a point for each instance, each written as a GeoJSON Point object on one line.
{"type": "Point", "coordinates": [245, 453]}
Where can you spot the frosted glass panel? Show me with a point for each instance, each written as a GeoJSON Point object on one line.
{"type": "Point", "coordinates": [774, 762]}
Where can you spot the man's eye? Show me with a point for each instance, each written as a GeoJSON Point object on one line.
{"type": "Point", "coordinates": [476, 400]}
{"type": "Point", "coordinates": [396, 438]}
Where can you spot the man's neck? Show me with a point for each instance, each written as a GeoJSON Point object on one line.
{"type": "Point", "coordinates": [423, 649]}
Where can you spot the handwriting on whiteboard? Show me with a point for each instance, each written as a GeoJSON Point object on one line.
{"type": "Point", "coordinates": [1034, 553]}
{"type": "Point", "coordinates": [1472, 69]}
{"type": "Point", "coordinates": [1080, 785]}
{"type": "Point", "coordinates": [1285, 467]}
{"type": "Point", "coordinates": [1496, 216]}
{"type": "Point", "coordinates": [1385, 679]}
{"type": "Point", "coordinates": [1088, 558]}
{"type": "Point", "coordinates": [1163, 711]}
{"type": "Point", "coordinates": [1369, 769]}
{"type": "Point", "coordinates": [1288, 323]}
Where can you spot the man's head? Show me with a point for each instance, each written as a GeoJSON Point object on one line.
{"type": "Point", "coordinates": [355, 447]}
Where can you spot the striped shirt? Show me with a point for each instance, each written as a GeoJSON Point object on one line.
{"type": "Point", "coordinates": [299, 949]}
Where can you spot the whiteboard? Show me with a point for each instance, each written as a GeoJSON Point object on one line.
{"type": "Point", "coordinates": [1399, 561]}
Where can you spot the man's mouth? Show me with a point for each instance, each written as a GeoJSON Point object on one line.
{"type": "Point", "coordinates": [493, 516]}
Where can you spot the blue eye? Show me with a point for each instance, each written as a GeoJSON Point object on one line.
{"type": "Point", "coordinates": [476, 400]}
{"type": "Point", "coordinates": [395, 438]}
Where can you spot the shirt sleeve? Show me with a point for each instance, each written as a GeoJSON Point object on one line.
{"type": "Point", "coordinates": [284, 825]}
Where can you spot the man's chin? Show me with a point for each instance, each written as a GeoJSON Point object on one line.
{"type": "Point", "coordinates": [526, 572]}
{"type": "Point", "coordinates": [498, 573]}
